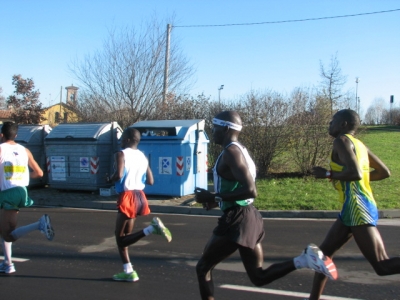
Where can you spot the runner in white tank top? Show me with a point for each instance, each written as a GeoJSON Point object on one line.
{"type": "Point", "coordinates": [15, 161]}
{"type": "Point", "coordinates": [132, 172]}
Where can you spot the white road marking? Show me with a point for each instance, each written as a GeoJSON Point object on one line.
{"type": "Point", "coordinates": [279, 292]}
{"type": "Point", "coordinates": [108, 244]}
{"type": "Point", "coordinates": [18, 259]}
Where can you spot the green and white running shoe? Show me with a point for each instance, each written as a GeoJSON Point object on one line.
{"type": "Point", "coordinates": [131, 277]}
{"type": "Point", "coordinates": [160, 229]}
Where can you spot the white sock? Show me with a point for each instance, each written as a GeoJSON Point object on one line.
{"type": "Point", "coordinates": [148, 230]}
{"type": "Point", "coordinates": [300, 261]}
{"type": "Point", "coordinates": [128, 268]}
{"type": "Point", "coordinates": [21, 231]}
{"type": "Point", "coordinates": [7, 251]}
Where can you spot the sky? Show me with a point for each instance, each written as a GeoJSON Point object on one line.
{"type": "Point", "coordinates": [40, 39]}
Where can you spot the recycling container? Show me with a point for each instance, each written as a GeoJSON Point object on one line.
{"type": "Point", "coordinates": [32, 137]}
{"type": "Point", "coordinates": [177, 154]}
{"type": "Point", "coordinates": [80, 155]}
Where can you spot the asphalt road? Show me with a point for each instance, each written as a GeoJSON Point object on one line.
{"type": "Point", "coordinates": [81, 260]}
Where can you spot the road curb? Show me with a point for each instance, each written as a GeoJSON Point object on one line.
{"type": "Point", "coordinates": [172, 207]}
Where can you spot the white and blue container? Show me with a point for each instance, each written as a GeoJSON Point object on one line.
{"type": "Point", "coordinates": [177, 153]}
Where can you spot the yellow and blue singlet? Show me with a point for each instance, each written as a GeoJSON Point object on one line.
{"type": "Point", "coordinates": [359, 206]}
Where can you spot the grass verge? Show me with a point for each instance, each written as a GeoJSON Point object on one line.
{"type": "Point", "coordinates": [311, 194]}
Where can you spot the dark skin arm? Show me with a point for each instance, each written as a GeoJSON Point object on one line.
{"type": "Point", "coordinates": [343, 154]}
{"type": "Point", "coordinates": [149, 176]}
{"type": "Point", "coordinates": [232, 166]}
{"type": "Point", "coordinates": [380, 170]}
{"type": "Point", "coordinates": [33, 165]}
{"type": "Point", "coordinates": [119, 162]}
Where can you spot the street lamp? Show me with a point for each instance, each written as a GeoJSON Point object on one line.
{"type": "Point", "coordinates": [219, 92]}
{"type": "Point", "coordinates": [357, 100]}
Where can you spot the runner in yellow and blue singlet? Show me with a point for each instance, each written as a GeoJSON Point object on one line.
{"type": "Point", "coordinates": [359, 206]}
{"type": "Point", "coordinates": [352, 167]}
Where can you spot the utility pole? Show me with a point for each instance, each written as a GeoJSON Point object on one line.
{"type": "Point", "coordinates": [357, 101]}
{"type": "Point", "coordinates": [60, 100]}
{"type": "Point", "coordinates": [166, 69]}
{"type": "Point", "coordinates": [219, 92]}
{"type": "Point", "coordinates": [391, 103]}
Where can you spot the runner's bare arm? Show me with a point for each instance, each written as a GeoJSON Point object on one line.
{"type": "Point", "coordinates": [119, 162]}
{"type": "Point", "coordinates": [149, 176]}
{"type": "Point", "coordinates": [380, 170]}
{"type": "Point", "coordinates": [36, 172]}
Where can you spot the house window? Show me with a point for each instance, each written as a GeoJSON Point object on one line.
{"type": "Point", "coordinates": [57, 117]}
{"type": "Point", "coordinates": [65, 117]}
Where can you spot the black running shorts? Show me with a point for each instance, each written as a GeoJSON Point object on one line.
{"type": "Point", "coordinates": [242, 225]}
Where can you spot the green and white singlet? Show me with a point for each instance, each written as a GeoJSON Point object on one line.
{"type": "Point", "coordinates": [222, 185]}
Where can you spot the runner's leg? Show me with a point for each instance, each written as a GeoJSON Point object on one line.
{"type": "Point", "coordinates": [8, 222]}
{"type": "Point", "coordinates": [372, 247]}
{"type": "Point", "coordinates": [217, 249]}
{"type": "Point", "coordinates": [253, 262]}
{"type": "Point", "coordinates": [336, 237]}
{"type": "Point", "coordinates": [123, 228]}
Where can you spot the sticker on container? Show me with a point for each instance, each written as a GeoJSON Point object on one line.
{"type": "Point", "coordinates": [165, 165]}
{"type": "Point", "coordinates": [57, 165]}
{"type": "Point", "coordinates": [179, 165]}
{"type": "Point", "coordinates": [94, 164]}
{"type": "Point", "coordinates": [188, 163]}
{"type": "Point", "coordinates": [84, 164]}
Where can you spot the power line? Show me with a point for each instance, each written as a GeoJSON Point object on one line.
{"type": "Point", "coordinates": [292, 21]}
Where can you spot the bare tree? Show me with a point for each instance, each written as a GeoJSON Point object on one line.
{"type": "Point", "coordinates": [127, 73]}
{"type": "Point", "coordinates": [184, 107]}
{"type": "Point", "coordinates": [376, 112]}
{"type": "Point", "coordinates": [25, 104]}
{"type": "Point", "coordinates": [265, 132]}
{"type": "Point", "coordinates": [395, 116]}
{"type": "Point", "coordinates": [347, 101]}
{"type": "Point", "coordinates": [332, 82]}
{"type": "Point", "coordinates": [2, 99]}
{"type": "Point", "coordinates": [309, 140]}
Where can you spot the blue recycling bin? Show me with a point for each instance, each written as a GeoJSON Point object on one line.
{"type": "Point", "coordinates": [177, 154]}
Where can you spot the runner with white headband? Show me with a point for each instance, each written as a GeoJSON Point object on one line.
{"type": "Point", "coordinates": [241, 227]}
{"type": "Point", "coordinates": [227, 123]}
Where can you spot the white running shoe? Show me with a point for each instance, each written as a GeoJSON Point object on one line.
{"type": "Point", "coordinates": [319, 262]}
{"type": "Point", "coordinates": [46, 228]}
{"type": "Point", "coordinates": [8, 269]}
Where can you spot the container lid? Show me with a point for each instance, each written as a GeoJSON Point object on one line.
{"type": "Point", "coordinates": [26, 132]}
{"type": "Point", "coordinates": [168, 129]}
{"type": "Point", "coordinates": [80, 130]}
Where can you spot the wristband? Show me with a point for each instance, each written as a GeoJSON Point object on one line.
{"type": "Point", "coordinates": [328, 174]}
{"type": "Point", "coordinates": [217, 199]}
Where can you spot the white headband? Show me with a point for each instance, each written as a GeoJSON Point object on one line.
{"type": "Point", "coordinates": [227, 123]}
